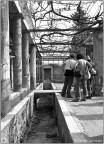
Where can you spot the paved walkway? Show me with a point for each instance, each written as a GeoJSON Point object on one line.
{"type": "Point", "coordinates": [90, 115]}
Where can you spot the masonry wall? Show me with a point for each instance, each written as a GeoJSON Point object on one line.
{"type": "Point", "coordinates": [82, 50]}
{"type": "Point", "coordinates": [17, 122]}
{"type": "Point", "coordinates": [98, 51]}
{"type": "Point", "coordinates": [98, 60]}
{"type": "Point", "coordinates": [57, 73]}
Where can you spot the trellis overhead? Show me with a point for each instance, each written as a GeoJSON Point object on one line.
{"type": "Point", "coordinates": [54, 23]}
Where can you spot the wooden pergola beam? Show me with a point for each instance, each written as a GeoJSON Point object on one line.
{"type": "Point", "coordinates": [60, 51]}
{"type": "Point", "coordinates": [54, 58]}
{"type": "Point", "coordinates": [58, 30]}
{"type": "Point", "coordinates": [54, 43]}
{"type": "Point", "coordinates": [48, 30]}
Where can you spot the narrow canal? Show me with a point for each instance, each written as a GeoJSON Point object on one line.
{"type": "Point", "coordinates": [44, 128]}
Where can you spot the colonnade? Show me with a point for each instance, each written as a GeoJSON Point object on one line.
{"type": "Point", "coordinates": [24, 73]}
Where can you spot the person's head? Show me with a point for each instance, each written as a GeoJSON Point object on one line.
{"type": "Point", "coordinates": [88, 58]}
{"type": "Point", "coordinates": [79, 56]}
{"type": "Point", "coordinates": [72, 55]}
{"type": "Point", "coordinates": [68, 58]}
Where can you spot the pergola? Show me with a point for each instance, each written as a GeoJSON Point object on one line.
{"type": "Point", "coordinates": [54, 26]}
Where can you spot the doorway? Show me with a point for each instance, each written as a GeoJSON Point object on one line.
{"type": "Point", "coordinates": [47, 73]}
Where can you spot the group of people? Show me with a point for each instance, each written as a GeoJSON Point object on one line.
{"type": "Point", "coordinates": [77, 69]}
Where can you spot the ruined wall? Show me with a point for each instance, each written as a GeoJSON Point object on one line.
{"type": "Point", "coordinates": [16, 123]}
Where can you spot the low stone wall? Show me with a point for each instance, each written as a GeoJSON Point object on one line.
{"type": "Point", "coordinates": [16, 123]}
{"type": "Point", "coordinates": [70, 131]}
{"type": "Point", "coordinates": [46, 85]}
{"type": "Point", "coordinates": [40, 87]}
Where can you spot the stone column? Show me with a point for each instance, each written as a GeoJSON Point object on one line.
{"type": "Point", "coordinates": [11, 71]}
{"type": "Point", "coordinates": [63, 69]}
{"type": "Point", "coordinates": [17, 47]}
{"type": "Point", "coordinates": [25, 61]}
{"type": "Point", "coordinates": [41, 80]}
{"type": "Point", "coordinates": [5, 59]}
{"type": "Point", "coordinates": [39, 71]}
{"type": "Point", "coordinates": [33, 68]}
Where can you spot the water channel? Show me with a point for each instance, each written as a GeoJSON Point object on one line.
{"type": "Point", "coordinates": [43, 125]}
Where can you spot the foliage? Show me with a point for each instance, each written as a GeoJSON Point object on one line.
{"type": "Point", "coordinates": [71, 16]}
{"type": "Point", "coordinates": [81, 17]}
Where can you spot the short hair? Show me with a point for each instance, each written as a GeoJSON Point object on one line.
{"type": "Point", "coordinates": [88, 58]}
{"type": "Point", "coordinates": [79, 56]}
{"type": "Point", "coordinates": [72, 55]}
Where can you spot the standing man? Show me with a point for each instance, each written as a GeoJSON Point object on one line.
{"type": "Point", "coordinates": [82, 66]}
{"type": "Point", "coordinates": [69, 76]}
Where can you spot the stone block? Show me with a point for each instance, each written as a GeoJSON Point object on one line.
{"type": "Point", "coordinates": [6, 106]}
{"type": "Point", "coordinates": [5, 135]}
{"type": "Point", "coordinates": [14, 124]}
{"type": "Point", "coordinates": [23, 93]}
{"type": "Point", "coordinates": [15, 98]}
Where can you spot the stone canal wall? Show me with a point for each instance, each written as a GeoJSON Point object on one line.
{"type": "Point", "coordinates": [70, 131]}
{"type": "Point", "coordinates": [16, 123]}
